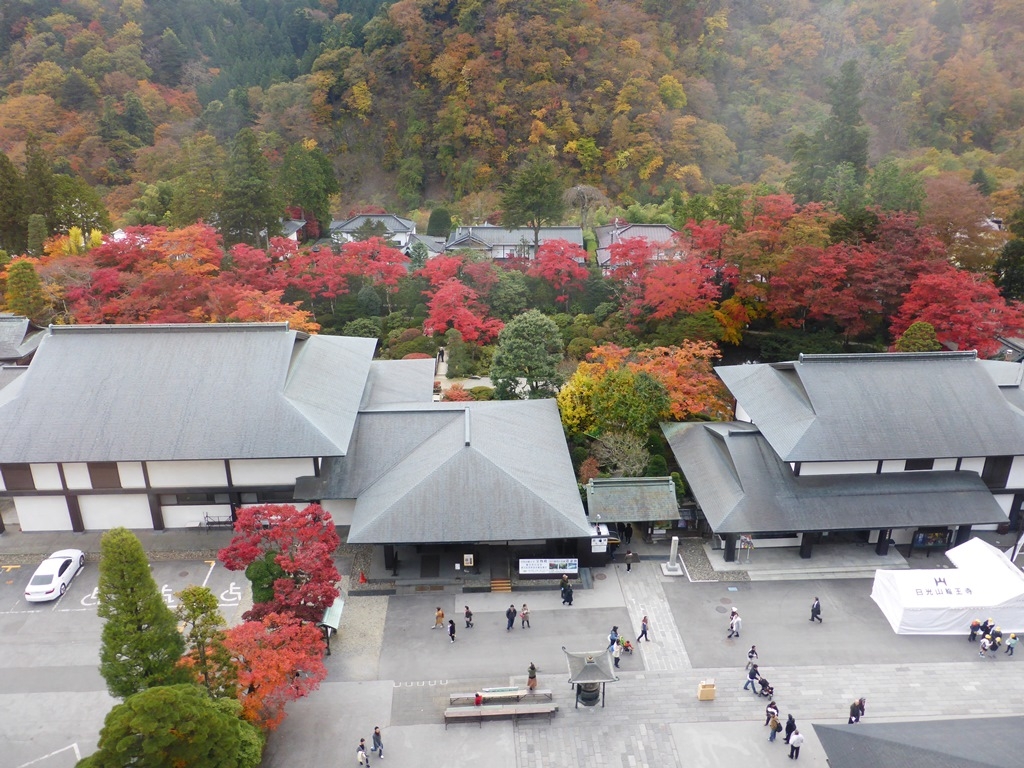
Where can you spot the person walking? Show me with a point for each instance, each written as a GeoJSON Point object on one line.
{"type": "Point", "coordinates": [613, 638]}
{"type": "Point", "coordinates": [735, 624]}
{"type": "Point", "coordinates": [531, 677]}
{"type": "Point", "coordinates": [629, 533]}
{"type": "Point", "coordinates": [772, 710]}
{"type": "Point", "coordinates": [469, 618]}
{"type": "Point", "coordinates": [1011, 643]}
{"type": "Point", "coordinates": [816, 611]}
{"type": "Point", "coordinates": [751, 656]}
{"type": "Point", "coordinates": [790, 727]}
{"type": "Point", "coordinates": [378, 742]}
{"type": "Point", "coordinates": [617, 652]}
{"type": "Point", "coordinates": [775, 726]}
{"type": "Point", "coordinates": [438, 618]}
{"type": "Point", "coordinates": [567, 594]}
{"type": "Point", "coordinates": [631, 558]}
{"type": "Point", "coordinates": [752, 677]}
{"type": "Point", "coordinates": [525, 616]}
{"type": "Point", "coordinates": [511, 614]}
{"type": "Point", "coordinates": [854, 713]}
{"type": "Point", "coordinates": [795, 742]}
{"type": "Point", "coordinates": [643, 631]}
{"type": "Point", "coordinates": [361, 758]}
{"type": "Point", "coordinates": [451, 629]}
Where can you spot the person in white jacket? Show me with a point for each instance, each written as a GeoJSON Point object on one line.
{"type": "Point", "coordinates": [795, 741]}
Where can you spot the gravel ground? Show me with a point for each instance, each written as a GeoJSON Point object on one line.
{"type": "Point", "coordinates": [697, 563]}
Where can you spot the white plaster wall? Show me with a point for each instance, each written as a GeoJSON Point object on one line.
{"type": "Point", "coordinates": [944, 465]}
{"type": "Point", "coordinates": [103, 512]}
{"type": "Point", "coordinates": [270, 471]}
{"type": "Point", "coordinates": [1016, 478]}
{"type": "Point", "coordinates": [976, 464]}
{"type": "Point", "coordinates": [894, 465]}
{"type": "Point", "coordinates": [46, 477]}
{"type": "Point", "coordinates": [741, 415]}
{"type": "Point", "coordinates": [191, 515]}
{"type": "Point", "coordinates": [186, 474]}
{"type": "Point", "coordinates": [76, 475]}
{"type": "Point", "coordinates": [1005, 502]}
{"type": "Point", "coordinates": [838, 468]}
{"type": "Point", "coordinates": [131, 474]}
{"type": "Point", "coordinates": [43, 513]}
{"type": "Point", "coordinates": [342, 510]}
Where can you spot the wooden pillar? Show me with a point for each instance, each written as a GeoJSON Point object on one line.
{"type": "Point", "coordinates": [730, 547]}
{"type": "Point", "coordinates": [807, 544]}
{"type": "Point", "coordinates": [882, 547]}
{"type": "Point", "coordinates": [962, 535]}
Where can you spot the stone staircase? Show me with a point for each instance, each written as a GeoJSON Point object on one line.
{"type": "Point", "coordinates": [501, 585]}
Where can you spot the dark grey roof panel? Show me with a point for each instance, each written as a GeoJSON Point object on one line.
{"type": "Point", "coordinates": [989, 742]}
{"type": "Point", "coordinates": [631, 499]}
{"type": "Point", "coordinates": [886, 406]}
{"type": "Point", "coordinates": [513, 480]}
{"type": "Point", "coordinates": [18, 337]}
{"type": "Point", "coordinates": [743, 487]}
{"type": "Point", "coordinates": [178, 392]}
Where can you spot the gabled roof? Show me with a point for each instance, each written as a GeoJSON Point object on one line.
{"type": "Point", "coordinates": [615, 233]}
{"type": "Point", "coordinates": [986, 742]}
{"type": "Point", "coordinates": [398, 381]}
{"type": "Point", "coordinates": [434, 245]}
{"type": "Point", "coordinates": [490, 236]}
{"type": "Point", "coordinates": [179, 392]}
{"type": "Point", "coordinates": [392, 224]}
{"type": "Point", "coordinates": [19, 337]}
{"type": "Point", "coordinates": [631, 499]}
{"type": "Point", "coordinates": [475, 472]}
{"type": "Point", "coordinates": [878, 406]}
{"type": "Point", "coordinates": [743, 486]}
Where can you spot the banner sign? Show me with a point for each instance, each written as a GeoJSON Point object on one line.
{"type": "Point", "coordinates": [538, 566]}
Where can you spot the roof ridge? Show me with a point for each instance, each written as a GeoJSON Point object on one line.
{"type": "Point", "coordinates": [169, 328]}
{"type": "Point", "coordinates": [970, 354]}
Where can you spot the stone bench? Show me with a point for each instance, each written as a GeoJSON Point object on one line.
{"type": "Point", "coordinates": [498, 696]}
{"type": "Point", "coordinates": [515, 711]}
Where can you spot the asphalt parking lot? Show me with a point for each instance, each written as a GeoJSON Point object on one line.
{"type": "Point", "coordinates": [53, 697]}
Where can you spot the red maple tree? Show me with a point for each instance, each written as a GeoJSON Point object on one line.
{"type": "Point", "coordinates": [303, 543]}
{"type": "Point", "coordinates": [277, 659]}
{"type": "Point", "coordinates": [455, 305]}
{"type": "Point", "coordinates": [560, 264]}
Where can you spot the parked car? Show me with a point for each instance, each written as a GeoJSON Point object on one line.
{"type": "Point", "coordinates": [53, 575]}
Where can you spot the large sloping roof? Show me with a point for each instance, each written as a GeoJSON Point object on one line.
{"type": "Point", "coordinates": [457, 472]}
{"type": "Point", "coordinates": [179, 392]}
{"type": "Point", "coordinates": [399, 381]}
{"type": "Point", "coordinates": [392, 223]}
{"type": "Point", "coordinates": [615, 233]}
{"type": "Point", "coordinates": [880, 406]}
{"type": "Point", "coordinates": [987, 742]}
{"type": "Point", "coordinates": [743, 486]}
{"type": "Point", "coordinates": [490, 235]}
{"type": "Point", "coordinates": [631, 499]}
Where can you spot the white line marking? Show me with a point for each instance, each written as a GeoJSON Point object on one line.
{"type": "Point", "coordinates": [74, 747]}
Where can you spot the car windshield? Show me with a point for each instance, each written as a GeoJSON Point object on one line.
{"type": "Point", "coordinates": [41, 580]}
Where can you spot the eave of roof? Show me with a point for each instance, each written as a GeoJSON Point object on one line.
{"type": "Point", "coordinates": [631, 499]}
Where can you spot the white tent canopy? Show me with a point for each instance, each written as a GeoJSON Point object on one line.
{"type": "Point", "coordinates": [984, 584]}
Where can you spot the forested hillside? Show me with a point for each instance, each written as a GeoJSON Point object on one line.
{"type": "Point", "coordinates": [439, 99]}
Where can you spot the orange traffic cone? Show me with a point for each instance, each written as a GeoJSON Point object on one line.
{"type": "Point", "coordinates": [362, 577]}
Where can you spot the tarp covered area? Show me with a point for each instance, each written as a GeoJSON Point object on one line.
{"type": "Point", "coordinates": [984, 584]}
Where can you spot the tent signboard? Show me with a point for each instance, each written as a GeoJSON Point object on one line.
{"type": "Point", "coordinates": [945, 601]}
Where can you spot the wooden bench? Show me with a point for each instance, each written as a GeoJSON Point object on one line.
{"type": "Point", "coordinates": [498, 696]}
{"type": "Point", "coordinates": [515, 711]}
{"type": "Point", "coordinates": [217, 521]}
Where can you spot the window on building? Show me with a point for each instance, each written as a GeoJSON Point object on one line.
{"type": "Point", "coordinates": [916, 465]}
{"type": "Point", "coordinates": [18, 477]}
{"type": "Point", "coordinates": [104, 474]}
{"type": "Point", "coordinates": [997, 471]}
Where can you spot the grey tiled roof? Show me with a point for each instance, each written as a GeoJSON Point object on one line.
{"type": "Point", "coordinates": [392, 223]}
{"type": "Point", "coordinates": [489, 235]}
{"type": "Point", "coordinates": [398, 381]}
{"type": "Point", "coordinates": [18, 337]}
{"type": "Point", "coordinates": [417, 480]}
{"type": "Point", "coordinates": [631, 499]}
{"type": "Point", "coordinates": [615, 233]}
{"type": "Point", "coordinates": [742, 486]}
{"type": "Point", "coordinates": [986, 742]}
{"type": "Point", "coordinates": [886, 406]}
{"type": "Point", "coordinates": [178, 392]}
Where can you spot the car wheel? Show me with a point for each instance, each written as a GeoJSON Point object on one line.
{"type": "Point", "coordinates": [81, 561]}
{"type": "Point", "coordinates": [63, 589]}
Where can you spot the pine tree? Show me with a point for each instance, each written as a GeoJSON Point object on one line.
{"type": "Point", "coordinates": [37, 234]}
{"type": "Point", "coordinates": [250, 209]}
{"type": "Point", "coordinates": [141, 645]}
{"type": "Point", "coordinates": [24, 293]}
{"type": "Point", "coordinates": [529, 352]}
{"type": "Point", "coordinates": [533, 197]}
{"type": "Point", "coordinates": [13, 231]}
{"type": "Point", "coordinates": [40, 184]}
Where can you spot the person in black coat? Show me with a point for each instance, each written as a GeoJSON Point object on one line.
{"type": "Point", "coordinates": [790, 727]}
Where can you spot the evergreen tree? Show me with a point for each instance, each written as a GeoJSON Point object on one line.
{"type": "Point", "coordinates": [168, 58]}
{"type": "Point", "coordinates": [527, 358]}
{"type": "Point", "coordinates": [37, 234]}
{"type": "Point", "coordinates": [203, 628]}
{"type": "Point", "coordinates": [176, 725]}
{"type": "Point", "coordinates": [39, 182]}
{"type": "Point", "coordinates": [197, 190]}
{"type": "Point", "coordinates": [919, 337]}
{"type": "Point", "coordinates": [141, 645]}
{"type": "Point", "coordinates": [307, 180]}
{"type": "Point", "coordinates": [24, 294]}
{"type": "Point", "coordinates": [533, 197]}
{"type": "Point", "coordinates": [440, 223]}
{"type": "Point", "coordinates": [76, 204]}
{"type": "Point", "coordinates": [135, 119]}
{"type": "Point", "coordinates": [1009, 270]}
{"type": "Point", "coordinates": [250, 208]}
{"type": "Point", "coordinates": [13, 231]}
{"type": "Point", "coordinates": [985, 183]}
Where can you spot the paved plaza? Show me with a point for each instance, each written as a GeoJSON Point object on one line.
{"type": "Point", "coordinates": [389, 668]}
